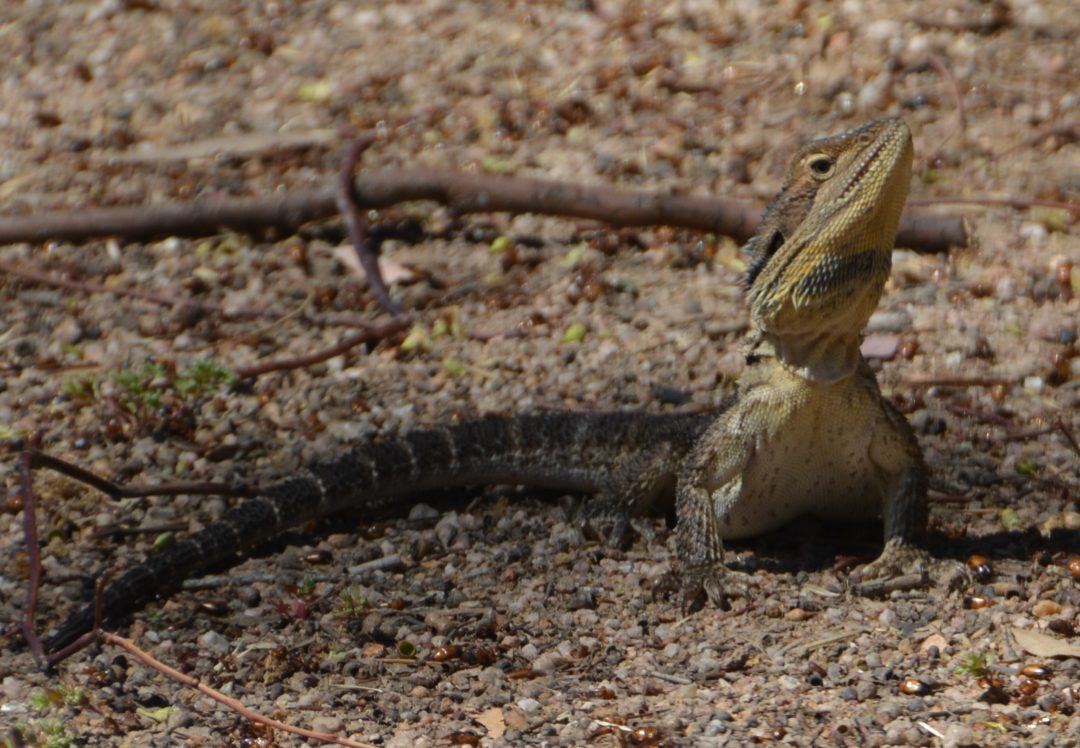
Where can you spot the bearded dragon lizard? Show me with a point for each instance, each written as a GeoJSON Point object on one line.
{"type": "Point", "coordinates": [807, 431]}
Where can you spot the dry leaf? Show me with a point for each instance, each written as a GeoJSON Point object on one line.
{"type": "Point", "coordinates": [515, 718]}
{"type": "Point", "coordinates": [392, 272]}
{"type": "Point", "coordinates": [1042, 645]}
{"type": "Point", "coordinates": [493, 720]}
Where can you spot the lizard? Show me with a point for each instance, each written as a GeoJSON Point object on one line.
{"type": "Point", "coordinates": [806, 432]}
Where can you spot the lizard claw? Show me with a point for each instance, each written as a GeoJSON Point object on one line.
{"type": "Point", "coordinates": [710, 584]}
{"type": "Point", "coordinates": [904, 567]}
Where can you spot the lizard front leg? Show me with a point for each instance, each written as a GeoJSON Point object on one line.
{"type": "Point", "coordinates": [708, 489]}
{"type": "Point", "coordinates": [895, 451]}
{"type": "Point", "coordinates": [904, 511]}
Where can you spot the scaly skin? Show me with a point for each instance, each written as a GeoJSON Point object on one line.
{"type": "Point", "coordinates": [807, 432]}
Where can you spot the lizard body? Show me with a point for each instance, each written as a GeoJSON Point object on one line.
{"type": "Point", "coordinates": [806, 433]}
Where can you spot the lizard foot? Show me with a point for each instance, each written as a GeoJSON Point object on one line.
{"type": "Point", "coordinates": [905, 567]}
{"type": "Point", "coordinates": [607, 522]}
{"type": "Point", "coordinates": [709, 584]}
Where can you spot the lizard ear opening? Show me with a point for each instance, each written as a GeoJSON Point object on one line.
{"type": "Point", "coordinates": [775, 243]}
{"type": "Point", "coordinates": [762, 256]}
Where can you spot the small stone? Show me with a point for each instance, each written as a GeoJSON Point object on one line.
{"type": "Point", "coordinates": [327, 723]}
{"type": "Point", "coordinates": [68, 332]}
{"type": "Point", "coordinates": [423, 512]}
{"type": "Point", "coordinates": [212, 641]}
{"type": "Point", "coordinates": [547, 663]}
{"type": "Point", "coordinates": [958, 735]}
{"type": "Point", "coordinates": [528, 705]}
{"type": "Point", "coordinates": [789, 682]}
{"type": "Point", "coordinates": [865, 690]}
{"type": "Point", "coordinates": [894, 321]}
{"type": "Point", "coordinates": [1046, 609]}
{"type": "Point", "coordinates": [882, 347]}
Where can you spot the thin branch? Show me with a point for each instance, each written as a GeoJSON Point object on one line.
{"type": "Point", "coordinates": [1019, 203]}
{"type": "Point", "coordinates": [932, 381]}
{"type": "Point", "coordinates": [371, 334]}
{"type": "Point", "coordinates": [150, 661]}
{"type": "Point", "coordinates": [1067, 433]}
{"type": "Point", "coordinates": [943, 70]}
{"type": "Point", "coordinates": [116, 491]}
{"type": "Point", "coordinates": [461, 192]}
{"type": "Point", "coordinates": [33, 549]}
{"type": "Point", "coordinates": [350, 214]}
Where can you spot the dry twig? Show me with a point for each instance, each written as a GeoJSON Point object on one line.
{"type": "Point", "coordinates": [350, 214]}
{"type": "Point", "coordinates": [371, 334]}
{"type": "Point", "coordinates": [460, 192]}
{"type": "Point", "coordinates": [147, 659]}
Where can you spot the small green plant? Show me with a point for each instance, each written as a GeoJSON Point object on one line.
{"type": "Point", "coordinates": [203, 377]}
{"type": "Point", "coordinates": [975, 664]}
{"type": "Point", "coordinates": [351, 603]}
{"type": "Point", "coordinates": [135, 387]}
{"type": "Point", "coordinates": [41, 733]}
{"type": "Point", "coordinates": [48, 729]}
{"type": "Point", "coordinates": [146, 388]}
{"type": "Point", "coordinates": [306, 587]}
{"type": "Point", "coordinates": [83, 387]}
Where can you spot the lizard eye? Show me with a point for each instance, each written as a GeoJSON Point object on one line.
{"type": "Point", "coordinates": [821, 166]}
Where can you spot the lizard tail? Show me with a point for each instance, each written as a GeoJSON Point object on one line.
{"type": "Point", "coordinates": [568, 451]}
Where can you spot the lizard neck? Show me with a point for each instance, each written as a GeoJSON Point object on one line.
{"type": "Point", "coordinates": [821, 360]}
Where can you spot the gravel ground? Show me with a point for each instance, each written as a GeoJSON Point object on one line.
{"type": "Point", "coordinates": [501, 624]}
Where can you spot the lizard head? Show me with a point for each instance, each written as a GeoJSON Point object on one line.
{"type": "Point", "coordinates": [823, 251]}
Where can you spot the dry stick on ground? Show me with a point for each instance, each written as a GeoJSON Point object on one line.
{"type": "Point", "coordinates": [29, 459]}
{"type": "Point", "coordinates": [459, 191]}
{"type": "Point", "coordinates": [357, 226]}
{"type": "Point", "coordinates": [372, 334]}
{"type": "Point", "coordinates": [234, 704]}
{"type": "Point", "coordinates": [1018, 203]}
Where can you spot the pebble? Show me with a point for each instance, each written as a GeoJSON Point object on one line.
{"type": "Point", "coordinates": [958, 735]}
{"type": "Point", "coordinates": [547, 663]}
{"type": "Point", "coordinates": [423, 512]}
{"type": "Point", "coordinates": [68, 332]}
{"type": "Point", "coordinates": [881, 347]}
{"type": "Point", "coordinates": [889, 321]}
{"type": "Point", "coordinates": [789, 682]}
{"type": "Point", "coordinates": [528, 705]}
{"type": "Point", "coordinates": [327, 723]}
{"type": "Point", "coordinates": [212, 641]}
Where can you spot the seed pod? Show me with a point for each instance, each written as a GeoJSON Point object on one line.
{"type": "Point", "coordinates": [912, 686]}
{"type": "Point", "coordinates": [213, 607]}
{"type": "Point", "coordinates": [321, 556]}
{"type": "Point", "coordinates": [980, 567]}
{"type": "Point", "coordinates": [1027, 686]}
{"type": "Point", "coordinates": [443, 654]}
{"type": "Point", "coordinates": [1036, 671]}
